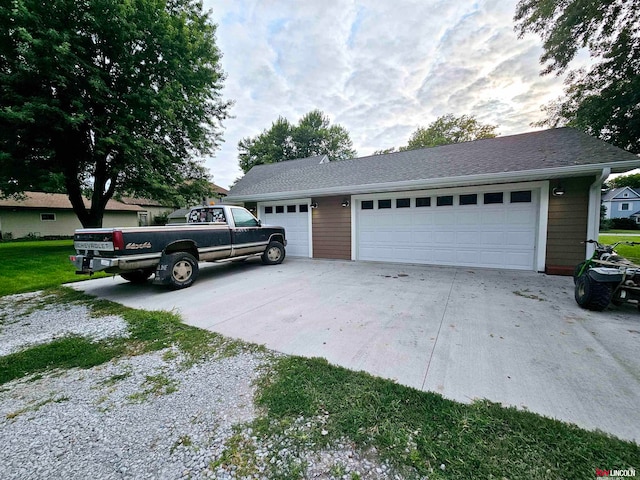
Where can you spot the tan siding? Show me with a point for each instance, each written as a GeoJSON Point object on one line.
{"type": "Point", "coordinates": [567, 226]}
{"type": "Point", "coordinates": [331, 223]}
{"type": "Point", "coordinates": [22, 223]}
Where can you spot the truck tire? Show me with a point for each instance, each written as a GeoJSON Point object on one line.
{"type": "Point", "coordinates": [592, 295]}
{"type": "Point", "coordinates": [183, 268]}
{"type": "Point", "coordinates": [138, 276]}
{"type": "Point", "coordinates": [274, 254]}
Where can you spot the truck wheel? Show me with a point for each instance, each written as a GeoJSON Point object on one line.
{"type": "Point", "coordinates": [592, 295]}
{"type": "Point", "coordinates": [184, 270]}
{"type": "Point", "coordinates": [274, 254]}
{"type": "Point", "coordinates": [137, 276]}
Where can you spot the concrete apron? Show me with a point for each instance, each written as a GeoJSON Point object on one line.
{"type": "Point", "coordinates": [517, 338]}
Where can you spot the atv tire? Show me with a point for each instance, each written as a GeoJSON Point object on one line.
{"type": "Point", "coordinates": [591, 294]}
{"type": "Point", "coordinates": [576, 271]}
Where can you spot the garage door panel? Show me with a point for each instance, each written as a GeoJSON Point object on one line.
{"type": "Point", "coordinates": [497, 235]}
{"type": "Point", "coordinates": [296, 225]}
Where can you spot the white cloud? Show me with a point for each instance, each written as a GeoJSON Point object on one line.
{"type": "Point", "coordinates": [378, 68]}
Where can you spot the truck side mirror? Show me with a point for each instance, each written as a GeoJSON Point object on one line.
{"type": "Point", "coordinates": [259, 222]}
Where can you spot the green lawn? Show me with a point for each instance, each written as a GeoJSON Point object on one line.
{"type": "Point", "coordinates": [628, 251]}
{"type": "Point", "coordinates": [35, 265]}
{"type": "Point", "coordinates": [307, 403]}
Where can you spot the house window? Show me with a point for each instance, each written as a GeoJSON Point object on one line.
{"type": "Point", "coordinates": [384, 204]}
{"type": "Point", "coordinates": [291, 209]}
{"type": "Point", "coordinates": [521, 197]}
{"type": "Point", "coordinates": [492, 198]}
{"type": "Point", "coordinates": [403, 202]}
{"type": "Point", "coordinates": [279, 208]}
{"type": "Point", "coordinates": [303, 208]}
{"type": "Point", "coordinates": [444, 201]}
{"type": "Point", "coordinates": [471, 199]}
{"type": "Point", "coordinates": [268, 210]}
{"type": "Point", "coordinates": [367, 205]}
{"type": "Point", "coordinates": [423, 202]}
{"type": "Point", "coordinates": [624, 206]}
{"type": "Point", "coordinates": [47, 217]}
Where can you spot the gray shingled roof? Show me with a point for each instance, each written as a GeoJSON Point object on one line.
{"type": "Point", "coordinates": [611, 194]}
{"type": "Point", "coordinates": [545, 154]}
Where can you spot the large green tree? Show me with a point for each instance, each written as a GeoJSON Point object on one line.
{"type": "Point", "coordinates": [112, 96]}
{"type": "Point", "coordinates": [604, 99]}
{"type": "Point", "coordinates": [445, 130]}
{"type": "Point", "coordinates": [632, 180]}
{"type": "Point", "coordinates": [449, 129]}
{"type": "Point", "coordinates": [313, 135]}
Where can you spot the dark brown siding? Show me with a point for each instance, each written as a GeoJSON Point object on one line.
{"type": "Point", "coordinates": [567, 225]}
{"type": "Point", "coordinates": [331, 227]}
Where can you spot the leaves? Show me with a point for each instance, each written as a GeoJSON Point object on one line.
{"type": "Point", "coordinates": [603, 101]}
{"type": "Point", "coordinates": [449, 129]}
{"type": "Point", "coordinates": [114, 95]}
{"type": "Point", "coordinates": [313, 135]}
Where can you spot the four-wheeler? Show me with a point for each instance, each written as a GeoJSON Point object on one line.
{"type": "Point", "coordinates": [606, 278]}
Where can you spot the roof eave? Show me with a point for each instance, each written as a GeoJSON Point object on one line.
{"type": "Point", "coordinates": [446, 182]}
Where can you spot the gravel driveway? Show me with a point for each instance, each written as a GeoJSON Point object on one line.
{"type": "Point", "coordinates": [144, 416]}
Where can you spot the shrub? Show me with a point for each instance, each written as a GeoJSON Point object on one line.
{"type": "Point", "coordinates": [624, 224]}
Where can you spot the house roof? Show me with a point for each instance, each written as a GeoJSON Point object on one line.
{"type": "Point", "coordinates": [530, 156]}
{"type": "Point", "coordinates": [59, 201]}
{"type": "Point", "coordinates": [220, 190]}
{"type": "Point", "coordinates": [616, 192]}
{"type": "Point", "coordinates": [141, 201]}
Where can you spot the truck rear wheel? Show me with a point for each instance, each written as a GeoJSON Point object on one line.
{"type": "Point", "coordinates": [184, 270]}
{"type": "Point", "coordinates": [274, 254]}
{"type": "Point", "coordinates": [138, 276]}
{"type": "Point", "coordinates": [592, 295]}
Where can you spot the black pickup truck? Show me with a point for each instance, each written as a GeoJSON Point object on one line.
{"type": "Point", "coordinates": [172, 252]}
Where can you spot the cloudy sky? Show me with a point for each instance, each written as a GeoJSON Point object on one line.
{"type": "Point", "coordinates": [379, 68]}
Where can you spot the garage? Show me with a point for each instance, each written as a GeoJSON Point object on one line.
{"type": "Point", "coordinates": [294, 217]}
{"type": "Point", "coordinates": [470, 227]}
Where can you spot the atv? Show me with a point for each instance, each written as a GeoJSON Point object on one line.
{"type": "Point", "coordinates": [607, 278]}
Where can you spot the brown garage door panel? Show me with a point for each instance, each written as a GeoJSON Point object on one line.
{"type": "Point", "coordinates": [331, 224]}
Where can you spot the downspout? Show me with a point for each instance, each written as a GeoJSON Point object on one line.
{"type": "Point", "coordinates": [593, 221]}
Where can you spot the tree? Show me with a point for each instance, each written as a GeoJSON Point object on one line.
{"type": "Point", "coordinates": [109, 95]}
{"type": "Point", "coordinates": [603, 100]}
{"type": "Point", "coordinates": [632, 180]}
{"type": "Point", "coordinates": [450, 129]}
{"type": "Point", "coordinates": [313, 135]}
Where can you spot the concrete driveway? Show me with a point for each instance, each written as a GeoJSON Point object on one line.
{"type": "Point", "coordinates": [517, 338]}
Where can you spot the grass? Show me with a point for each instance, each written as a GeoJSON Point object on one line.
{"type": "Point", "coordinates": [630, 252]}
{"type": "Point", "coordinates": [36, 265]}
{"type": "Point", "coordinates": [424, 431]}
{"type": "Point", "coordinates": [149, 331]}
{"type": "Point", "coordinates": [307, 403]}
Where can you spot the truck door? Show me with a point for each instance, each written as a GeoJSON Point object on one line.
{"type": "Point", "coordinates": [248, 236]}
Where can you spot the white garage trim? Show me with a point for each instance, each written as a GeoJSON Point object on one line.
{"type": "Point", "coordinates": [297, 202]}
{"type": "Point", "coordinates": [540, 192]}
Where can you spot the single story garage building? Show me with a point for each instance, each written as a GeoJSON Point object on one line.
{"type": "Point", "coordinates": [515, 202]}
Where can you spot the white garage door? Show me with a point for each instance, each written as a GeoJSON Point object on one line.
{"type": "Point", "coordinates": [485, 229]}
{"type": "Point", "coordinates": [294, 217]}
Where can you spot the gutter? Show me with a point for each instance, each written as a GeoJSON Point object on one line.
{"type": "Point", "coordinates": [593, 216]}
{"type": "Point", "coordinates": [458, 181]}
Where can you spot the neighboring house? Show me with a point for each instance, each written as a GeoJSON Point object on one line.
{"type": "Point", "coordinates": [152, 213]}
{"type": "Point", "coordinates": [621, 202]}
{"type": "Point", "coordinates": [180, 215]}
{"type": "Point", "coordinates": [51, 215]}
{"type": "Point", "coordinates": [515, 202]}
